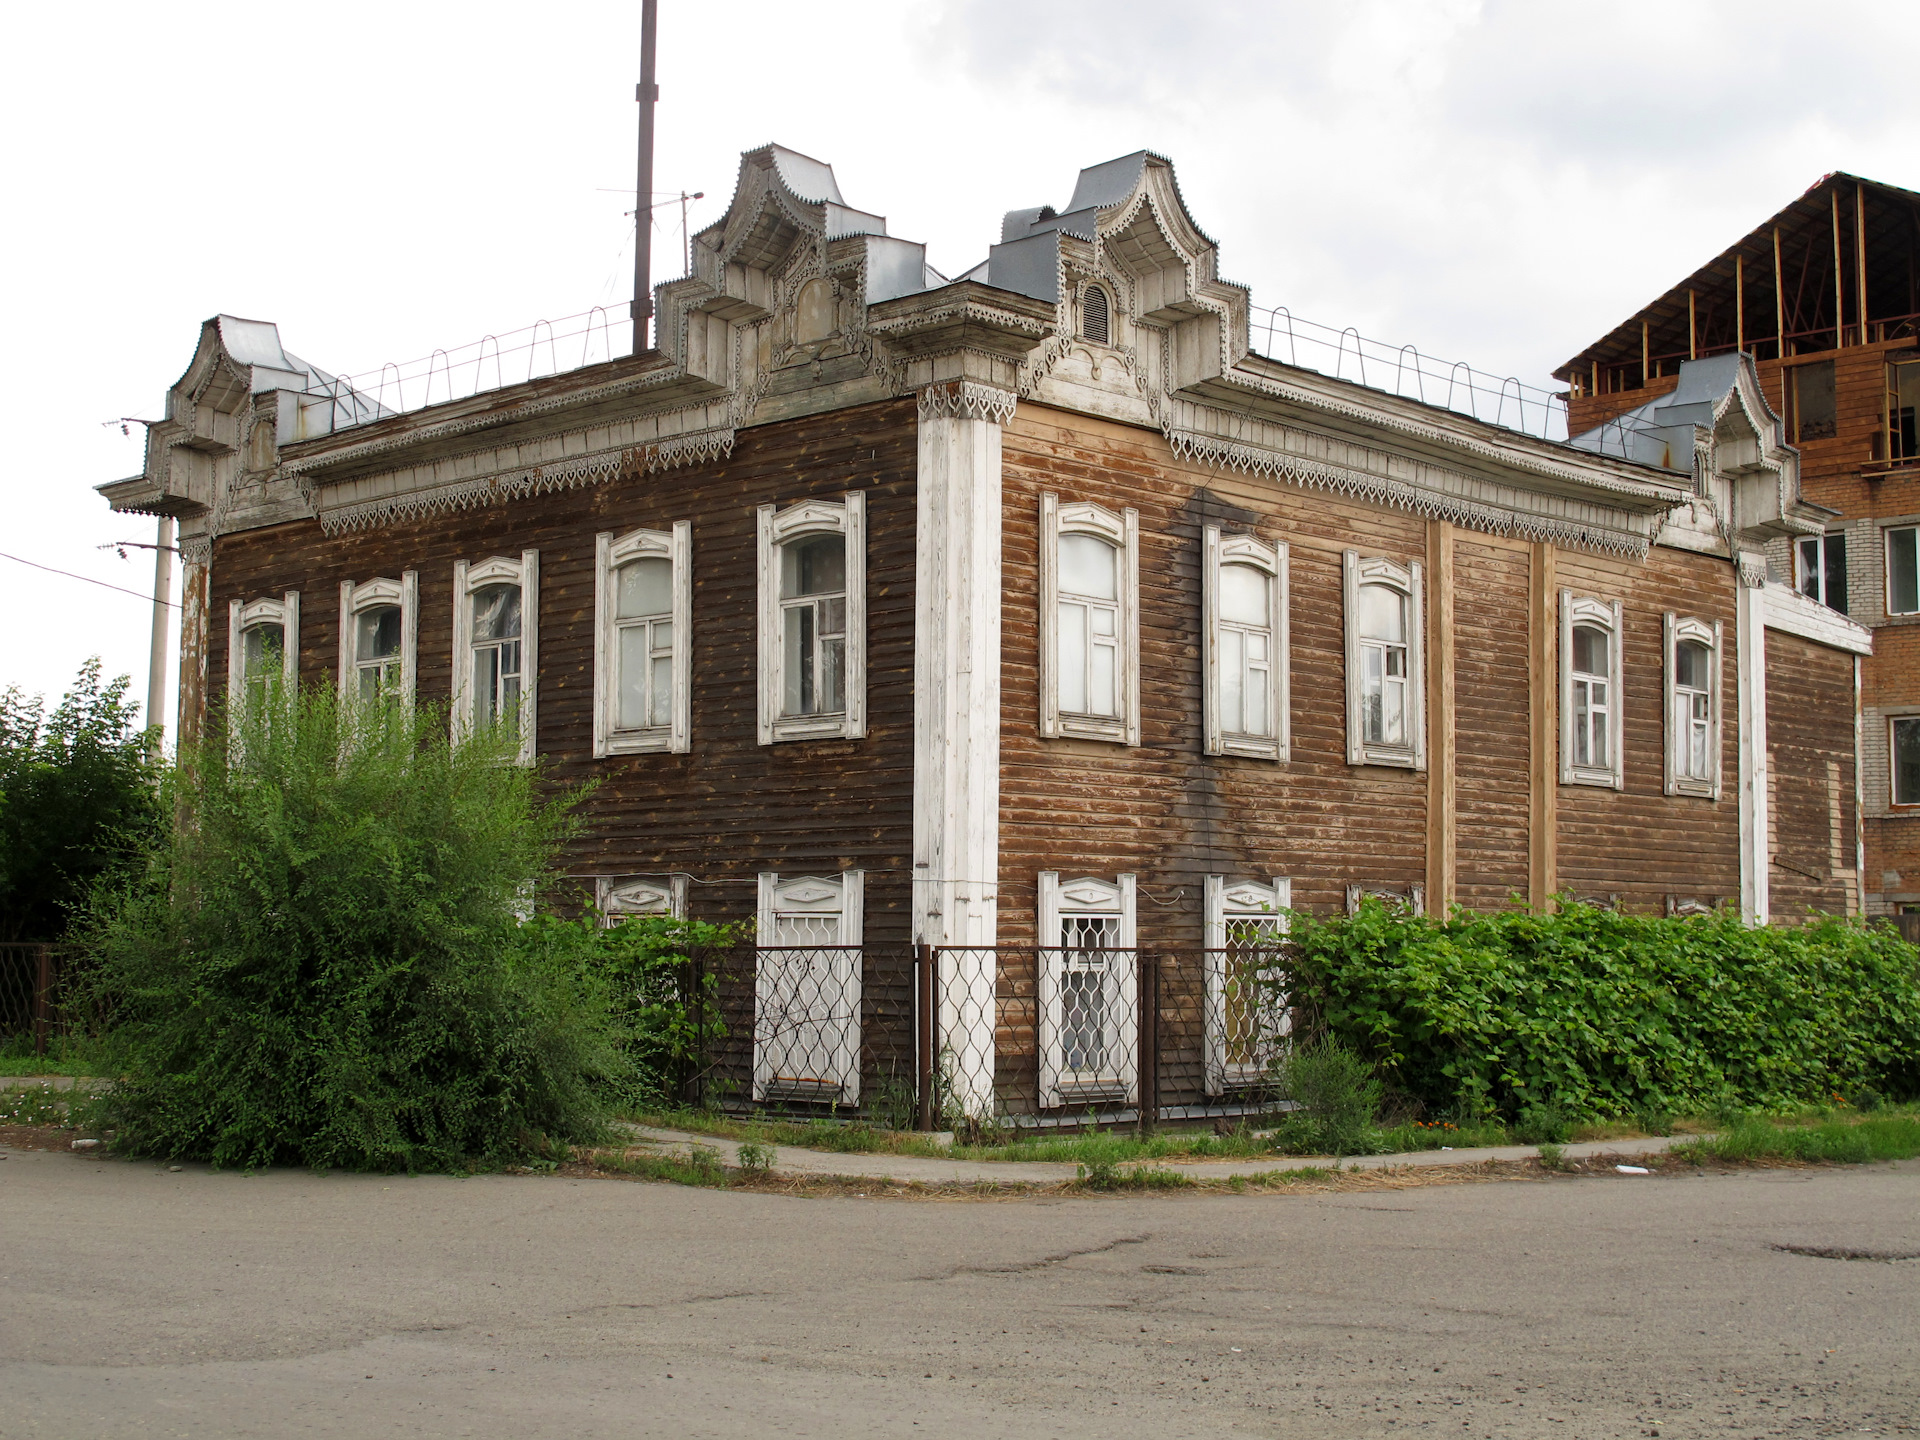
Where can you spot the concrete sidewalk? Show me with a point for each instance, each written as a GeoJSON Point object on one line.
{"type": "Point", "coordinates": [933, 1171]}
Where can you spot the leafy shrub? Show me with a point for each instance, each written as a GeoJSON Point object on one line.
{"type": "Point", "coordinates": [754, 1158]}
{"type": "Point", "coordinates": [1542, 1125]}
{"type": "Point", "coordinates": [1599, 1013]}
{"type": "Point", "coordinates": [1338, 1094]}
{"type": "Point", "coordinates": [78, 799]}
{"type": "Point", "coordinates": [323, 964]}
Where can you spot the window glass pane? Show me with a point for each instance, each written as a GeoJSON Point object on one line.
{"type": "Point", "coordinates": [377, 633]}
{"type": "Point", "coordinates": [1256, 701]}
{"type": "Point", "coordinates": [1903, 571]}
{"type": "Point", "coordinates": [1243, 595]}
{"type": "Point", "coordinates": [1073, 658]}
{"type": "Point", "coordinates": [645, 588]}
{"type": "Point", "coordinates": [634, 663]}
{"type": "Point", "coordinates": [662, 690]}
{"type": "Point", "coordinates": [1395, 732]}
{"type": "Point", "coordinates": [1906, 762]}
{"type": "Point", "coordinates": [1810, 568]}
{"type": "Point", "coordinates": [1103, 690]}
{"type": "Point", "coordinates": [486, 684]}
{"type": "Point", "coordinates": [1814, 411]}
{"type": "Point", "coordinates": [1089, 566]}
{"type": "Point", "coordinates": [1589, 650]}
{"type": "Point", "coordinates": [833, 670]}
{"type": "Point", "coordinates": [1690, 664]}
{"type": "Point", "coordinates": [1582, 724]}
{"type": "Point", "coordinates": [496, 612]}
{"type": "Point", "coordinates": [1383, 614]}
{"type": "Point", "coordinates": [1372, 681]}
{"type": "Point", "coordinates": [262, 649]}
{"type": "Point", "coordinates": [1836, 572]}
{"type": "Point", "coordinates": [816, 565]}
{"type": "Point", "coordinates": [797, 661]}
{"type": "Point", "coordinates": [1233, 681]}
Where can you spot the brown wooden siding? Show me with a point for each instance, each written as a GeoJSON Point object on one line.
{"type": "Point", "coordinates": [731, 807]}
{"type": "Point", "coordinates": [1641, 843]}
{"type": "Point", "coordinates": [1492, 724]}
{"type": "Point", "coordinates": [1810, 757]}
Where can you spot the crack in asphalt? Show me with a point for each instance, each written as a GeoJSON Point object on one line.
{"type": "Point", "coordinates": [1848, 1252]}
{"type": "Point", "coordinates": [1021, 1267]}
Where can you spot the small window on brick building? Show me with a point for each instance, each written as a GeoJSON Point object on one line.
{"type": "Point", "coordinates": [1906, 760]}
{"type": "Point", "coordinates": [1810, 408]}
{"type": "Point", "coordinates": [1820, 570]}
{"type": "Point", "coordinates": [1903, 571]}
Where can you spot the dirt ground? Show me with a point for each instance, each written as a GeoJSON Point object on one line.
{"type": "Point", "coordinates": [144, 1301]}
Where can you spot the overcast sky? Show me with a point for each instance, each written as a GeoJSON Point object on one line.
{"type": "Point", "coordinates": [1495, 182]}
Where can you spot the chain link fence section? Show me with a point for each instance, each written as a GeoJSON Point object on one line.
{"type": "Point", "coordinates": [29, 995]}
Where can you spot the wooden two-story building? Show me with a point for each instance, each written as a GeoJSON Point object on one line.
{"type": "Point", "coordinates": [1032, 610]}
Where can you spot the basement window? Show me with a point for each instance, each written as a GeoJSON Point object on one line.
{"type": "Point", "coordinates": [1089, 622]}
{"type": "Point", "coordinates": [616, 898]}
{"type": "Point", "coordinates": [1693, 707]}
{"type": "Point", "coordinates": [643, 600]}
{"type": "Point", "coordinates": [496, 646]}
{"type": "Point", "coordinates": [1385, 674]}
{"type": "Point", "coordinates": [807, 988]}
{"type": "Point", "coordinates": [1089, 1013]}
{"type": "Point", "coordinates": [1590, 702]}
{"type": "Point", "coordinates": [813, 612]}
{"type": "Point", "coordinates": [379, 626]}
{"type": "Point", "coordinates": [1811, 413]}
{"type": "Point", "coordinates": [1820, 569]}
{"type": "Point", "coordinates": [1247, 1018]}
{"type": "Point", "coordinates": [1244, 596]}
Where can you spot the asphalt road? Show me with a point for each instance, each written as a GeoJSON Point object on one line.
{"type": "Point", "coordinates": [143, 1303]}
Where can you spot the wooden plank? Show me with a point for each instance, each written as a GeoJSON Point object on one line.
{"type": "Point", "coordinates": [1441, 857]}
{"type": "Point", "coordinates": [1543, 818]}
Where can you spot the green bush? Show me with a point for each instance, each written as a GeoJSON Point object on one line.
{"type": "Point", "coordinates": [1594, 1013]}
{"type": "Point", "coordinates": [1338, 1095]}
{"type": "Point", "coordinates": [323, 963]}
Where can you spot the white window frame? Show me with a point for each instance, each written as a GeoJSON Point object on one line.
{"type": "Point", "coordinates": [1605, 616]}
{"type": "Point", "coordinates": [1222, 901]}
{"type": "Point", "coordinates": [1886, 556]}
{"type": "Point", "coordinates": [1219, 551]}
{"type": "Point", "coordinates": [242, 617]}
{"type": "Point", "coordinates": [1377, 570]}
{"type": "Point", "coordinates": [1105, 899]}
{"type": "Point", "coordinates": [1817, 575]}
{"type": "Point", "coordinates": [610, 554]}
{"type": "Point", "coordinates": [1675, 629]}
{"type": "Point", "coordinates": [779, 528]}
{"type": "Point", "coordinates": [355, 600]}
{"type": "Point", "coordinates": [1122, 531]}
{"type": "Point", "coordinates": [842, 895]}
{"type": "Point", "coordinates": [468, 580]}
{"type": "Point", "coordinates": [618, 896]}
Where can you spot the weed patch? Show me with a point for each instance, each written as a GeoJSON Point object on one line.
{"type": "Point", "coordinates": [1834, 1142]}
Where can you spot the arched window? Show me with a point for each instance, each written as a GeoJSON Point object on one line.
{"type": "Point", "coordinates": [813, 620]}
{"type": "Point", "coordinates": [1094, 315]}
{"type": "Point", "coordinates": [496, 645]}
{"type": "Point", "coordinates": [1693, 707]}
{"type": "Point", "coordinates": [641, 672]}
{"type": "Point", "coordinates": [1385, 672]}
{"type": "Point", "coordinates": [378, 628]}
{"type": "Point", "coordinates": [1244, 592]}
{"type": "Point", "coordinates": [1089, 622]}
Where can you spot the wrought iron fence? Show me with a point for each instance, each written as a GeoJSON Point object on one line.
{"type": "Point", "coordinates": [1062, 1036]}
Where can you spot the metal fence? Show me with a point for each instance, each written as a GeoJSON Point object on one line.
{"type": "Point", "coordinates": [1022, 1036]}
{"type": "Point", "coordinates": [29, 994]}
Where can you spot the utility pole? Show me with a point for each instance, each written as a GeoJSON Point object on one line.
{"type": "Point", "coordinates": [647, 93]}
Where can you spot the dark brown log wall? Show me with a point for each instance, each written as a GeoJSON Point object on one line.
{"type": "Point", "coordinates": [1810, 756]}
{"type": "Point", "coordinates": [1640, 843]}
{"type": "Point", "coordinates": [1492, 726]}
{"type": "Point", "coordinates": [732, 807]}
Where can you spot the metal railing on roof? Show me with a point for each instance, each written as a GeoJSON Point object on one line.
{"type": "Point", "coordinates": [1346, 354]}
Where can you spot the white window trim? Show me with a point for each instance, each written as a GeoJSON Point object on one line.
{"type": "Point", "coordinates": [369, 595]}
{"type": "Point", "coordinates": [1088, 895]}
{"type": "Point", "coordinates": [284, 612]}
{"type": "Point", "coordinates": [841, 893]}
{"type": "Point", "coordinates": [1413, 898]}
{"type": "Point", "coordinates": [1675, 629]}
{"type": "Point", "coordinates": [467, 579]}
{"type": "Point", "coordinates": [610, 553]}
{"type": "Point", "coordinates": [777, 528]}
{"type": "Point", "coordinates": [1894, 806]}
{"type": "Point", "coordinates": [618, 896]}
{"type": "Point", "coordinates": [1375, 570]}
{"type": "Point", "coordinates": [1240, 899]}
{"type": "Point", "coordinates": [1121, 531]}
{"type": "Point", "coordinates": [1222, 550]}
{"type": "Point", "coordinates": [1886, 563]}
{"type": "Point", "coordinates": [1599, 615]}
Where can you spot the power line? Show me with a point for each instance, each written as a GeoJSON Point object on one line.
{"type": "Point", "coordinates": [138, 595]}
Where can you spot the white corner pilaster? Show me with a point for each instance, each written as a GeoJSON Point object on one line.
{"type": "Point", "coordinates": [1750, 647]}
{"type": "Point", "coordinates": [956, 716]}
